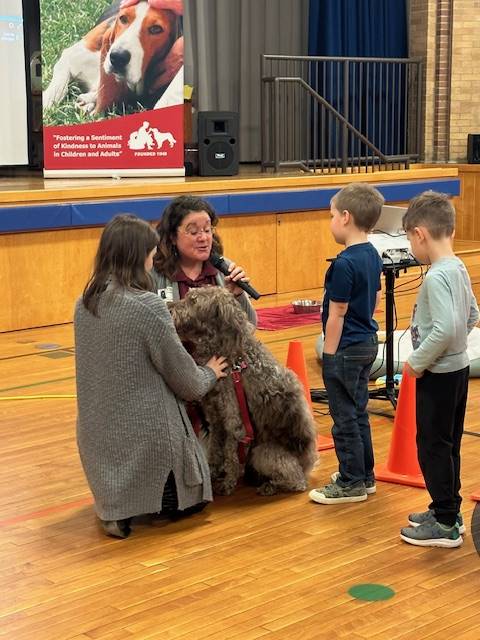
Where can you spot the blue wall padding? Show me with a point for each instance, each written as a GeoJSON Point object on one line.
{"type": "Point", "coordinates": [26, 218]}
{"type": "Point", "coordinates": [311, 199]}
{"type": "Point", "coordinates": [91, 213]}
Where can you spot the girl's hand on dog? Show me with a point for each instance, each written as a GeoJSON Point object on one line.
{"type": "Point", "coordinates": [218, 364]}
{"type": "Point", "coordinates": [236, 273]}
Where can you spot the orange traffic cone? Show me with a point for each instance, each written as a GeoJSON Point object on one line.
{"type": "Point", "coordinates": [476, 496]}
{"type": "Point", "coordinates": [323, 442]}
{"type": "Point", "coordinates": [402, 465]}
{"type": "Point", "coordinates": [296, 362]}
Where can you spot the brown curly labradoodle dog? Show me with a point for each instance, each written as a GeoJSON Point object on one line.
{"type": "Point", "coordinates": [283, 451]}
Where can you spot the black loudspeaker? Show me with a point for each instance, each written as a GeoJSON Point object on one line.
{"type": "Point", "coordinates": [473, 148]}
{"type": "Point", "coordinates": [217, 143]}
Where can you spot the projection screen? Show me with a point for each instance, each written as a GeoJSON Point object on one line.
{"type": "Point", "coordinates": [13, 97]}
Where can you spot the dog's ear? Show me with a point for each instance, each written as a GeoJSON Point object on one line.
{"type": "Point", "coordinates": [94, 38]}
{"type": "Point", "coordinates": [162, 72]}
{"type": "Point", "coordinates": [231, 321]}
{"type": "Point", "coordinates": [167, 60]}
{"type": "Point", "coordinates": [107, 41]}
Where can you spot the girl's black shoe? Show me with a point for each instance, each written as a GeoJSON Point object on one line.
{"type": "Point", "coordinates": [117, 528]}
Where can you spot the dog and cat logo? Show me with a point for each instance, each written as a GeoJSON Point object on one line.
{"type": "Point", "coordinates": [147, 137]}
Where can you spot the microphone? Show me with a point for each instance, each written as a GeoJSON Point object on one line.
{"type": "Point", "coordinates": [220, 264]}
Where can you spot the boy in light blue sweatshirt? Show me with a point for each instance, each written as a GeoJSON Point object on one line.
{"type": "Point", "coordinates": [444, 314]}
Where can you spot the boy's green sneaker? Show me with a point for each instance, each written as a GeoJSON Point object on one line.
{"type": "Point", "coordinates": [334, 494]}
{"type": "Point", "coordinates": [432, 534]}
{"type": "Point", "coordinates": [415, 519]}
{"type": "Point", "coordinates": [370, 485]}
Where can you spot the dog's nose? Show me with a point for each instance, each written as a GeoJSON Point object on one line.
{"type": "Point", "coordinates": [119, 59]}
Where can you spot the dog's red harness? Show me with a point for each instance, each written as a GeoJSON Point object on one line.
{"type": "Point", "coordinates": [249, 436]}
{"type": "Point", "coordinates": [244, 413]}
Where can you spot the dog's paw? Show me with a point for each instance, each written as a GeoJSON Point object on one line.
{"type": "Point", "coordinates": [216, 473]}
{"type": "Point", "coordinates": [87, 101]}
{"type": "Point", "coordinates": [301, 486]}
{"type": "Point", "coordinates": [223, 488]}
{"type": "Point", "coordinates": [267, 489]}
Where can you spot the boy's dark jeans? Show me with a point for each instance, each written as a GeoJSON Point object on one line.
{"type": "Point", "coordinates": [345, 376]}
{"type": "Point", "coordinates": [441, 399]}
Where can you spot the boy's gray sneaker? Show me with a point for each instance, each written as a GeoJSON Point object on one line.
{"type": "Point", "coordinates": [416, 519]}
{"type": "Point", "coordinates": [432, 534]}
{"type": "Point", "coordinates": [334, 494]}
{"type": "Point", "coordinates": [370, 485]}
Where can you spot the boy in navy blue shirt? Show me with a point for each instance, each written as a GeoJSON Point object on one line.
{"type": "Point", "coordinates": [352, 293]}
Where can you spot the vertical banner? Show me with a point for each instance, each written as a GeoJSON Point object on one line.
{"type": "Point", "coordinates": [112, 87]}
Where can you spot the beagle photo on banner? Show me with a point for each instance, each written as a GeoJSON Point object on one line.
{"type": "Point", "coordinates": [108, 61]}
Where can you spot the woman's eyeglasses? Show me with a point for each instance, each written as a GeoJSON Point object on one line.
{"type": "Point", "coordinates": [194, 231]}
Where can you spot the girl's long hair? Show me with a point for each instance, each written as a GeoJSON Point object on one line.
{"type": "Point", "coordinates": [124, 246]}
{"type": "Point", "coordinates": [166, 259]}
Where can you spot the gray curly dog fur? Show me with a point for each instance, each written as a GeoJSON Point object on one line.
{"type": "Point", "coordinates": [284, 450]}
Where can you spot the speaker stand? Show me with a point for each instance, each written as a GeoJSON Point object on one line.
{"type": "Point", "coordinates": [389, 392]}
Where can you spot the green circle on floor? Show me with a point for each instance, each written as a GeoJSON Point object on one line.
{"type": "Point", "coordinates": [371, 592]}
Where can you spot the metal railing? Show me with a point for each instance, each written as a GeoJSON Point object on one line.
{"type": "Point", "coordinates": [340, 114]}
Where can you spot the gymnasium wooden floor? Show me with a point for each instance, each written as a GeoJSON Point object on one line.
{"type": "Point", "coordinates": [248, 567]}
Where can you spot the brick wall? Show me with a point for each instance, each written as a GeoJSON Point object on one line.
{"type": "Point", "coordinates": [465, 89]}
{"type": "Point", "coordinates": [422, 38]}
{"type": "Point", "coordinates": [446, 34]}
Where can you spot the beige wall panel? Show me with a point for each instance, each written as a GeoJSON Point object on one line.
{"type": "Point", "coordinates": [42, 274]}
{"type": "Point", "coordinates": [476, 208]}
{"type": "Point", "coordinates": [459, 205]}
{"type": "Point", "coordinates": [251, 241]}
{"type": "Point", "coordinates": [304, 242]}
{"type": "Point", "coordinates": [467, 204]}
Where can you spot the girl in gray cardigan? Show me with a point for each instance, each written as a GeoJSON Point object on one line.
{"type": "Point", "coordinates": [187, 238]}
{"type": "Point", "coordinates": [136, 443]}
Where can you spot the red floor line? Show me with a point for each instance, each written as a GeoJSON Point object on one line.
{"type": "Point", "coordinates": [46, 512]}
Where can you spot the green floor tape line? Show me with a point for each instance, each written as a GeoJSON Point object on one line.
{"type": "Point", "coordinates": [371, 592]}
{"type": "Point", "coordinates": [55, 355]}
{"type": "Point", "coordinates": [36, 384]}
